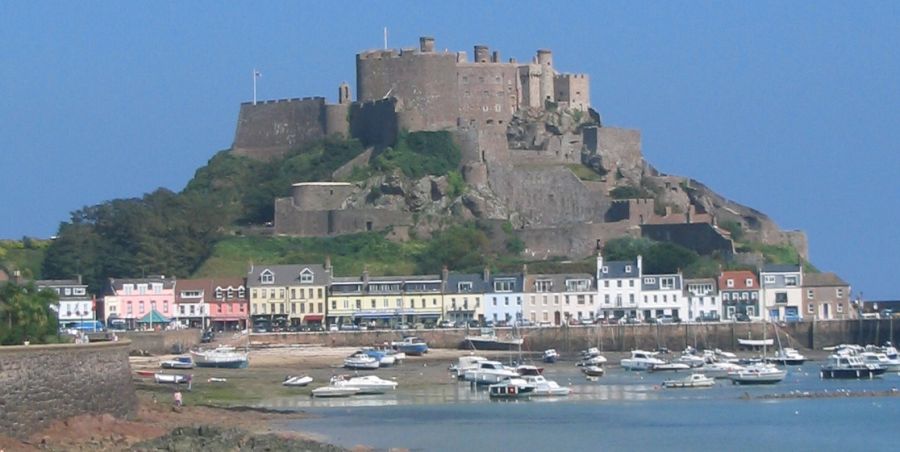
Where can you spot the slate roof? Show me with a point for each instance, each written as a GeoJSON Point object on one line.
{"type": "Point", "coordinates": [781, 268]}
{"type": "Point", "coordinates": [616, 269]}
{"type": "Point", "coordinates": [558, 281]}
{"type": "Point", "coordinates": [823, 280]}
{"type": "Point", "coordinates": [287, 275]}
{"type": "Point", "coordinates": [477, 280]}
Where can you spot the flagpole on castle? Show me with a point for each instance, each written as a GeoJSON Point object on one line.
{"type": "Point", "coordinates": [255, 75]}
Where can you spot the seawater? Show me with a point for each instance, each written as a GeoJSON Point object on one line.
{"type": "Point", "coordinates": [621, 411]}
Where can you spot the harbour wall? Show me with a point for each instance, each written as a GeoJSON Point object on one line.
{"type": "Point", "coordinates": [40, 384]}
{"type": "Point", "coordinates": [814, 335]}
{"type": "Point", "coordinates": [162, 342]}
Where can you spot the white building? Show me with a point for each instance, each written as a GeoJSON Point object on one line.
{"type": "Point", "coordinates": [618, 288]}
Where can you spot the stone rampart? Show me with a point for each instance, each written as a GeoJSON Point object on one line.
{"type": "Point", "coordinates": [621, 338]}
{"type": "Point", "coordinates": [375, 123]}
{"type": "Point", "coordinates": [271, 128]}
{"type": "Point", "coordinates": [162, 342]}
{"type": "Point", "coordinates": [40, 384]}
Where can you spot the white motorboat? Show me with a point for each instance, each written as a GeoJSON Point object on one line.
{"type": "Point", "coordinates": [598, 360]}
{"type": "Point", "coordinates": [755, 343]}
{"type": "Point", "coordinates": [172, 378]}
{"type": "Point", "coordinates": [368, 384]}
{"type": "Point", "coordinates": [691, 360]}
{"type": "Point", "coordinates": [593, 371]}
{"type": "Point", "coordinates": [760, 373]}
{"type": "Point", "coordinates": [719, 369]}
{"type": "Point", "coordinates": [670, 367]}
{"type": "Point", "coordinates": [551, 355]}
{"type": "Point", "coordinates": [224, 357]}
{"type": "Point", "coordinates": [881, 359]}
{"type": "Point", "coordinates": [297, 381]}
{"type": "Point", "coordinates": [726, 357]}
{"type": "Point", "coordinates": [490, 372]}
{"type": "Point", "coordinates": [180, 362]}
{"type": "Point", "coordinates": [464, 364]}
{"type": "Point", "coordinates": [849, 366]}
{"type": "Point", "coordinates": [787, 356]}
{"type": "Point", "coordinates": [641, 360]}
{"type": "Point", "coordinates": [334, 391]}
{"type": "Point", "coordinates": [526, 369]}
{"type": "Point", "coordinates": [691, 381]}
{"type": "Point", "coordinates": [545, 387]}
{"type": "Point", "coordinates": [512, 388]}
{"type": "Point", "coordinates": [488, 340]}
{"type": "Point", "coordinates": [590, 353]}
{"type": "Point", "coordinates": [361, 360]}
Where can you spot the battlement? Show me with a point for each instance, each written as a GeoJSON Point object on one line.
{"type": "Point", "coordinates": [293, 99]}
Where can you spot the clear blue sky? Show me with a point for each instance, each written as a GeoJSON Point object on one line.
{"type": "Point", "coordinates": [792, 108]}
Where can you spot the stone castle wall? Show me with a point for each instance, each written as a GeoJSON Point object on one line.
{"type": "Point", "coordinates": [40, 384]}
{"type": "Point", "coordinates": [375, 123]}
{"type": "Point", "coordinates": [271, 128]}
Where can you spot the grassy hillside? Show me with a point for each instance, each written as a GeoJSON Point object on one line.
{"type": "Point", "coordinates": [24, 255]}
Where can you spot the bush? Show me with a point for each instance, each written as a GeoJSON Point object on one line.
{"type": "Point", "coordinates": [418, 154]}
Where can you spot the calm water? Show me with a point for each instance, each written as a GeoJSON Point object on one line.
{"type": "Point", "coordinates": [623, 410]}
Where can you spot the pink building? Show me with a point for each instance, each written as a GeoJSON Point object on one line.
{"type": "Point", "coordinates": [220, 303]}
{"type": "Point", "coordinates": [127, 301]}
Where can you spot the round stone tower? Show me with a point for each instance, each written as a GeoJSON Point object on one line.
{"type": "Point", "coordinates": [545, 60]}
{"type": "Point", "coordinates": [482, 54]}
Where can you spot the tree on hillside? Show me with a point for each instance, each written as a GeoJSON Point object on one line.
{"type": "Point", "coordinates": [25, 314]}
{"type": "Point", "coordinates": [658, 257]}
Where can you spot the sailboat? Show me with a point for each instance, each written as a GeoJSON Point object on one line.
{"type": "Point", "coordinates": [759, 373]}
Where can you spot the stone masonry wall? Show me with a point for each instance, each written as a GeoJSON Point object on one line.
{"type": "Point", "coordinates": [40, 384]}
{"type": "Point", "coordinates": [162, 342]}
{"type": "Point", "coordinates": [271, 128]}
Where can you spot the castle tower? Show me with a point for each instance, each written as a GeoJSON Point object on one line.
{"type": "Point", "coordinates": [482, 54]}
{"type": "Point", "coordinates": [545, 60]}
{"type": "Point", "coordinates": [426, 44]}
{"type": "Point", "coordinates": [344, 94]}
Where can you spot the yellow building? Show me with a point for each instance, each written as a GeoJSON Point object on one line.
{"type": "Point", "coordinates": [385, 300]}
{"type": "Point", "coordinates": [284, 295]}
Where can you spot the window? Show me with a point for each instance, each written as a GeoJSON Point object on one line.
{"type": "Point", "coordinates": [604, 269]}
{"type": "Point", "coordinates": [141, 306]}
{"type": "Point", "coordinates": [729, 282]}
{"type": "Point", "coordinates": [618, 283]}
{"type": "Point", "coordinates": [606, 283]}
{"type": "Point", "coordinates": [142, 289]}
{"type": "Point", "coordinates": [667, 283]}
{"type": "Point", "coordinates": [809, 294]}
{"type": "Point", "coordinates": [781, 297]}
{"type": "Point", "coordinates": [506, 300]}
{"type": "Point", "coordinates": [306, 276]}
{"type": "Point", "coordinates": [80, 291]}
{"type": "Point", "coordinates": [281, 293]}
{"type": "Point", "coordinates": [754, 295]}
{"type": "Point", "coordinates": [606, 299]}
{"type": "Point", "coordinates": [68, 290]}
{"type": "Point", "coordinates": [543, 285]}
{"type": "Point", "coordinates": [504, 285]}
{"type": "Point", "coordinates": [649, 280]}
{"type": "Point", "coordinates": [751, 311]}
{"type": "Point", "coordinates": [839, 292]}
{"type": "Point", "coordinates": [770, 279]}
{"type": "Point", "coordinates": [267, 277]}
{"type": "Point", "coordinates": [749, 282]}
{"type": "Point", "coordinates": [790, 281]}
{"type": "Point", "coordinates": [630, 283]}
{"type": "Point", "coordinates": [810, 308]}
{"type": "Point", "coordinates": [194, 293]}
{"type": "Point", "coordinates": [627, 269]}
{"type": "Point", "coordinates": [333, 304]}
{"type": "Point", "coordinates": [294, 292]}
{"type": "Point", "coordinates": [241, 292]}
{"type": "Point", "coordinates": [464, 287]}
{"type": "Point", "coordinates": [181, 309]}
{"type": "Point", "coordinates": [165, 306]}
{"type": "Point", "coordinates": [840, 307]}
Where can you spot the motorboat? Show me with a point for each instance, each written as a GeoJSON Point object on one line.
{"type": "Point", "coordinates": [360, 360]}
{"type": "Point", "coordinates": [590, 353]}
{"type": "Point", "coordinates": [223, 357]}
{"type": "Point", "coordinates": [759, 373]}
{"type": "Point", "coordinates": [334, 391]}
{"type": "Point", "coordinates": [849, 366]}
{"type": "Point", "coordinates": [297, 381]}
{"type": "Point", "coordinates": [598, 360]}
{"type": "Point", "coordinates": [756, 343]}
{"type": "Point", "coordinates": [512, 388]}
{"type": "Point", "coordinates": [545, 387]}
{"type": "Point", "coordinates": [719, 369]}
{"type": "Point", "coordinates": [641, 360]}
{"type": "Point", "coordinates": [466, 363]}
{"type": "Point", "coordinates": [171, 378]}
{"type": "Point", "coordinates": [490, 372]}
{"type": "Point", "coordinates": [411, 345]}
{"type": "Point", "coordinates": [551, 355]}
{"type": "Point", "coordinates": [180, 362]}
{"type": "Point", "coordinates": [727, 357]}
{"type": "Point", "coordinates": [592, 371]}
{"type": "Point", "coordinates": [881, 359]}
{"type": "Point", "coordinates": [670, 367]}
{"type": "Point", "coordinates": [488, 340]}
{"type": "Point", "coordinates": [691, 360]}
{"type": "Point", "coordinates": [691, 381]}
{"type": "Point", "coordinates": [526, 369]}
{"type": "Point", "coordinates": [384, 358]}
{"type": "Point", "coordinates": [367, 384]}
{"type": "Point", "coordinates": [788, 357]}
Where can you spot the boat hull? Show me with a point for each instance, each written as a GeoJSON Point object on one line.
{"type": "Point", "coordinates": [851, 374]}
{"type": "Point", "coordinates": [471, 343]}
{"type": "Point", "coordinates": [331, 391]}
{"type": "Point", "coordinates": [237, 364]}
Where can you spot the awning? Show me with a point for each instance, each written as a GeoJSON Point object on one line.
{"type": "Point", "coordinates": [313, 318]}
{"type": "Point", "coordinates": [227, 319]}
{"type": "Point", "coordinates": [153, 317]}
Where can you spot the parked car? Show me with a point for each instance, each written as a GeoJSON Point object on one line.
{"type": "Point", "coordinates": [524, 322]}
{"type": "Point", "coordinates": [445, 324]}
{"type": "Point", "coordinates": [574, 322]}
{"type": "Point", "coordinates": [401, 326]}
{"type": "Point", "coordinates": [628, 321]}
{"type": "Point", "coordinates": [207, 336]}
{"type": "Point", "coordinates": [350, 327]}
{"type": "Point", "coordinates": [741, 317]}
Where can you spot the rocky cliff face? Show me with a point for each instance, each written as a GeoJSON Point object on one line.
{"type": "Point", "coordinates": [526, 178]}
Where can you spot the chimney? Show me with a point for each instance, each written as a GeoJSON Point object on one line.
{"type": "Point", "coordinates": [78, 277]}
{"type": "Point", "coordinates": [487, 274]}
{"type": "Point", "coordinates": [426, 44]}
{"type": "Point", "coordinates": [640, 265]}
{"type": "Point", "coordinates": [524, 269]}
{"type": "Point", "coordinates": [495, 57]}
{"type": "Point", "coordinates": [328, 264]}
{"type": "Point", "coordinates": [365, 274]}
{"type": "Point", "coordinates": [445, 273]}
{"type": "Point", "coordinates": [482, 54]}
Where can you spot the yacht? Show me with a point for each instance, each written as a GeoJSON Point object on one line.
{"type": "Point", "coordinates": [551, 355]}
{"type": "Point", "coordinates": [333, 391]}
{"type": "Point", "coordinates": [490, 372]}
{"type": "Point", "coordinates": [297, 381]}
{"type": "Point", "coordinates": [512, 388]}
{"type": "Point", "coordinates": [593, 371]}
{"type": "Point", "coordinates": [368, 384]}
{"type": "Point", "coordinates": [788, 357]}
{"type": "Point", "coordinates": [223, 356]}
{"type": "Point", "coordinates": [464, 364]}
{"type": "Point", "coordinates": [411, 345]}
{"type": "Point", "coordinates": [758, 374]}
{"type": "Point", "coordinates": [545, 387]}
{"type": "Point", "coordinates": [598, 360]}
{"type": "Point", "coordinates": [488, 340]}
{"type": "Point", "coordinates": [526, 369]}
{"type": "Point", "coordinates": [881, 359]}
{"type": "Point", "coordinates": [641, 360]}
{"type": "Point", "coordinates": [691, 359]}
{"type": "Point", "coordinates": [691, 381]}
{"type": "Point", "coordinates": [849, 366]}
{"type": "Point", "coordinates": [720, 370]}
{"type": "Point", "coordinates": [360, 360]}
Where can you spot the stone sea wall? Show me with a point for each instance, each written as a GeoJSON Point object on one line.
{"type": "Point", "coordinates": [621, 337]}
{"type": "Point", "coordinates": [162, 342]}
{"type": "Point", "coordinates": [40, 384]}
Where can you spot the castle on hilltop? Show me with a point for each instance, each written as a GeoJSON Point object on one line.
{"type": "Point", "coordinates": [412, 89]}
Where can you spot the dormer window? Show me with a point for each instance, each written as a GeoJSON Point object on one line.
{"type": "Point", "coordinates": [627, 269]}
{"type": "Point", "coordinates": [749, 282]}
{"type": "Point", "coordinates": [267, 277]}
{"type": "Point", "coordinates": [649, 280]}
{"type": "Point", "coordinates": [605, 269]}
{"type": "Point", "coordinates": [729, 282]}
{"type": "Point", "coordinates": [790, 281]}
{"type": "Point", "coordinates": [241, 292]}
{"type": "Point", "coordinates": [218, 292]}
{"type": "Point", "coordinates": [306, 276]}
{"type": "Point", "coordinates": [504, 285]}
{"type": "Point", "coordinates": [464, 286]}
